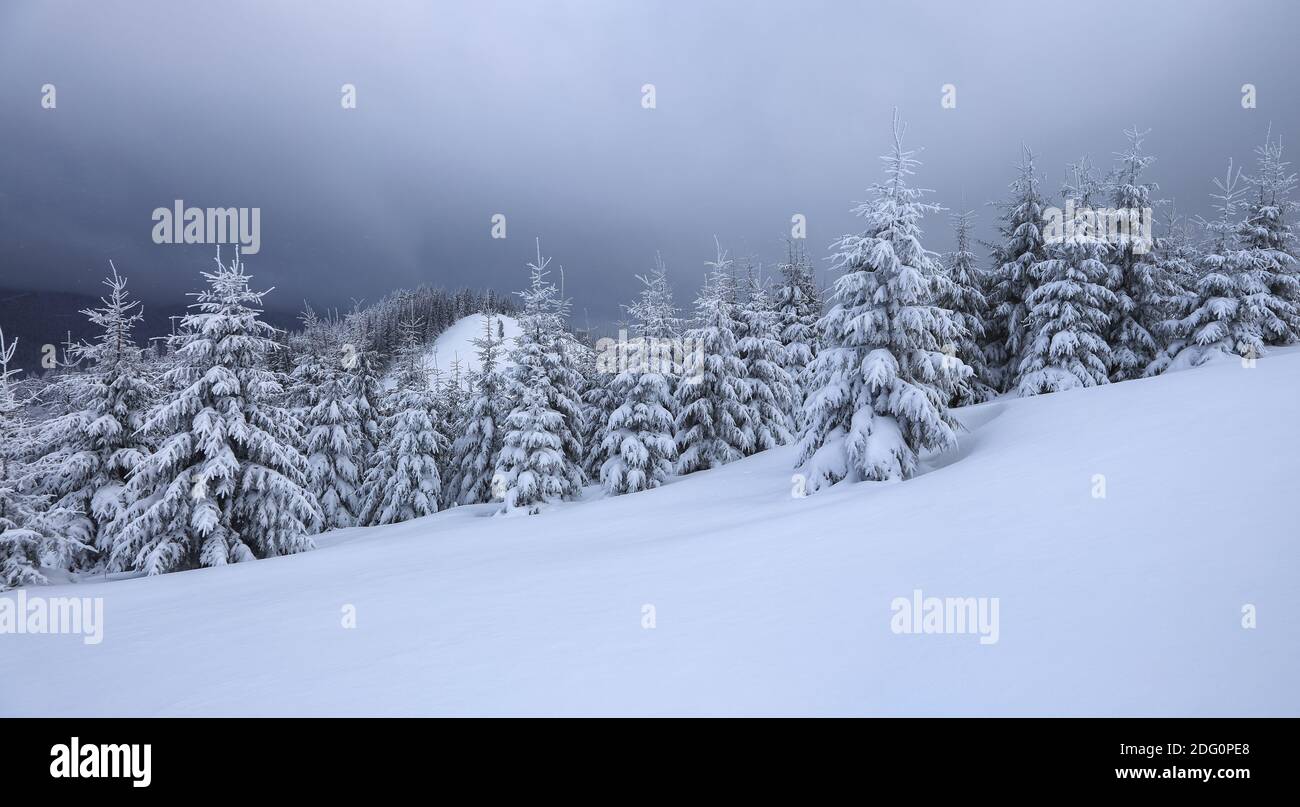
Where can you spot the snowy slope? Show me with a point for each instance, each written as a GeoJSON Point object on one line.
{"type": "Point", "coordinates": [769, 604]}
{"type": "Point", "coordinates": [457, 342]}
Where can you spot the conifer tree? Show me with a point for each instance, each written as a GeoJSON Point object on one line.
{"type": "Point", "coordinates": [713, 426]}
{"type": "Point", "coordinates": [769, 391]}
{"type": "Point", "coordinates": [1179, 260]}
{"type": "Point", "coordinates": [959, 289]}
{"type": "Point", "coordinates": [452, 402]}
{"type": "Point", "coordinates": [1011, 282]}
{"type": "Point", "coordinates": [226, 482]}
{"type": "Point", "coordinates": [332, 424]}
{"type": "Point", "coordinates": [599, 400]}
{"type": "Point", "coordinates": [1266, 234]}
{"type": "Point", "coordinates": [27, 530]}
{"type": "Point", "coordinates": [454, 396]}
{"type": "Point", "coordinates": [89, 451]}
{"type": "Point", "coordinates": [1232, 299]}
{"type": "Point", "coordinates": [637, 449]}
{"type": "Point", "coordinates": [661, 325]}
{"type": "Point", "coordinates": [1142, 290]}
{"type": "Point", "coordinates": [881, 383]}
{"type": "Point", "coordinates": [362, 363]}
{"type": "Point", "coordinates": [541, 456]}
{"type": "Point", "coordinates": [654, 310]}
{"type": "Point", "coordinates": [798, 306]}
{"type": "Point", "coordinates": [405, 481]}
{"type": "Point", "coordinates": [477, 446]}
{"type": "Point", "coordinates": [1068, 317]}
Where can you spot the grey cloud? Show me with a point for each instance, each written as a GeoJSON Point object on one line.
{"type": "Point", "coordinates": [466, 109]}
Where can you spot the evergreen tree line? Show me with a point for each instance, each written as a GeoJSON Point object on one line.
{"type": "Point", "coordinates": [239, 442]}
{"type": "Point", "coordinates": [907, 335]}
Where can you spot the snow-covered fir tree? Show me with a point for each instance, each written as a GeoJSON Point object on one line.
{"type": "Point", "coordinates": [90, 449]}
{"type": "Point", "coordinates": [437, 381]}
{"type": "Point", "coordinates": [332, 427]}
{"type": "Point", "coordinates": [541, 455]}
{"type": "Point", "coordinates": [1068, 314]}
{"type": "Point", "coordinates": [661, 323]}
{"type": "Point", "coordinates": [474, 453]}
{"type": "Point", "coordinates": [960, 289]}
{"type": "Point", "coordinates": [454, 395]}
{"type": "Point", "coordinates": [405, 481]}
{"type": "Point", "coordinates": [1179, 260]}
{"type": "Point", "coordinates": [1010, 282]}
{"type": "Point", "coordinates": [309, 349]}
{"type": "Point", "coordinates": [713, 425]}
{"type": "Point", "coordinates": [578, 364]}
{"type": "Point", "coordinates": [1142, 289]}
{"type": "Point", "coordinates": [881, 383]}
{"type": "Point", "coordinates": [654, 309]}
{"type": "Point", "coordinates": [798, 304]}
{"type": "Point", "coordinates": [599, 400]}
{"type": "Point", "coordinates": [1266, 234]}
{"type": "Point", "coordinates": [769, 391]}
{"type": "Point", "coordinates": [28, 531]}
{"type": "Point", "coordinates": [637, 448]}
{"type": "Point", "coordinates": [226, 482]}
{"type": "Point", "coordinates": [362, 363]}
{"type": "Point", "coordinates": [1225, 317]}
{"type": "Point", "coordinates": [452, 403]}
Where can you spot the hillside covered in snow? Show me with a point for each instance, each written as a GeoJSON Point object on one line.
{"type": "Point", "coordinates": [456, 344]}
{"type": "Point", "coordinates": [1123, 529]}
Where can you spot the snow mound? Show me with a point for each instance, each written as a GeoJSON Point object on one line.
{"type": "Point", "coordinates": [457, 343]}
{"type": "Point", "coordinates": [1126, 531]}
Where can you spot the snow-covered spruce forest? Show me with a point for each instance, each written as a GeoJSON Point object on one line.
{"type": "Point", "coordinates": [232, 442]}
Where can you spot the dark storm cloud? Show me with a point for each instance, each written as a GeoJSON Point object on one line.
{"type": "Point", "coordinates": [533, 110]}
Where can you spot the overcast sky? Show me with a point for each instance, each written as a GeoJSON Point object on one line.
{"type": "Point", "coordinates": [533, 110]}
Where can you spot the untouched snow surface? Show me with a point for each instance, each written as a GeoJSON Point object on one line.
{"type": "Point", "coordinates": [769, 604]}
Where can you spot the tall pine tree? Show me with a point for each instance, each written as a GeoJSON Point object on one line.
{"type": "Point", "coordinates": [1266, 234]}
{"type": "Point", "coordinates": [226, 483]}
{"type": "Point", "coordinates": [637, 449]}
{"type": "Point", "coordinates": [475, 451]}
{"type": "Point", "coordinates": [1232, 301]}
{"type": "Point", "coordinates": [798, 305]}
{"type": "Point", "coordinates": [333, 439]}
{"type": "Point", "coordinates": [769, 390]}
{"type": "Point", "coordinates": [90, 450]}
{"type": "Point", "coordinates": [28, 527]}
{"type": "Point", "coordinates": [541, 456]}
{"type": "Point", "coordinates": [1011, 281]}
{"type": "Point", "coordinates": [881, 383]}
{"type": "Point", "coordinates": [1068, 314]}
{"type": "Point", "coordinates": [404, 481]}
{"type": "Point", "coordinates": [713, 424]}
{"type": "Point", "coordinates": [960, 289]}
{"type": "Point", "coordinates": [1142, 289]}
